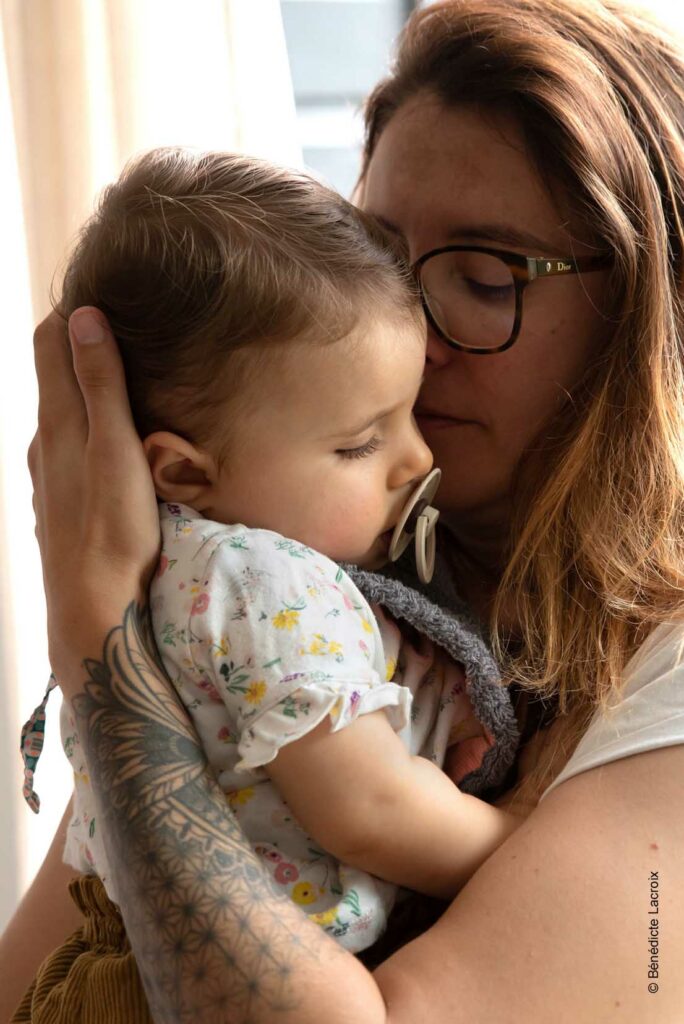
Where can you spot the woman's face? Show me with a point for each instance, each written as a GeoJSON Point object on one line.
{"type": "Point", "coordinates": [441, 175]}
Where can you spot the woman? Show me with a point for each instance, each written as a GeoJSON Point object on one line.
{"type": "Point", "coordinates": [538, 128]}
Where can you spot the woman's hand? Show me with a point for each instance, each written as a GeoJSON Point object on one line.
{"type": "Point", "coordinates": [96, 513]}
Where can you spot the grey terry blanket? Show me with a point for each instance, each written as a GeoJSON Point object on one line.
{"type": "Point", "coordinates": [443, 618]}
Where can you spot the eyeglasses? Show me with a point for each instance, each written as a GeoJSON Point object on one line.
{"type": "Point", "coordinates": [473, 296]}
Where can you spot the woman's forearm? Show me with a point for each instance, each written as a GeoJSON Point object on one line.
{"type": "Point", "coordinates": [213, 940]}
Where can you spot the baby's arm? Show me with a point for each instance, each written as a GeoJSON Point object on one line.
{"type": "Point", "coordinates": [371, 804]}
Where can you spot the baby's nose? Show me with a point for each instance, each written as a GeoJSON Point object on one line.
{"type": "Point", "coordinates": [423, 456]}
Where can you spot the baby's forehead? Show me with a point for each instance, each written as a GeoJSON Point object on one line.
{"type": "Point", "coordinates": [343, 385]}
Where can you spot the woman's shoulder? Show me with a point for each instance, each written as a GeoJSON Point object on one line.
{"type": "Point", "coordinates": [659, 657]}
{"type": "Point", "coordinates": [560, 870]}
{"type": "Point", "coordinates": [649, 712]}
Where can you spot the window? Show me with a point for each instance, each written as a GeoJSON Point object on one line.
{"type": "Point", "coordinates": [338, 50]}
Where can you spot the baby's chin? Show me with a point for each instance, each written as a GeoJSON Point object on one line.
{"type": "Point", "coordinates": [376, 557]}
{"type": "Point", "coordinates": [373, 564]}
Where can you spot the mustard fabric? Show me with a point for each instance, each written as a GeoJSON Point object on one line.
{"type": "Point", "coordinates": [92, 978]}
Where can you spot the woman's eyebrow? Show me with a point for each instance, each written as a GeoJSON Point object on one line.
{"type": "Point", "coordinates": [503, 234]}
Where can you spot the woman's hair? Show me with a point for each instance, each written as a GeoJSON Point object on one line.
{"type": "Point", "coordinates": [202, 262]}
{"type": "Point", "coordinates": [597, 546]}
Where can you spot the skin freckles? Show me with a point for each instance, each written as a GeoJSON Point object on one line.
{"type": "Point", "coordinates": [479, 186]}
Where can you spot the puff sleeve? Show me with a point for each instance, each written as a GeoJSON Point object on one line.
{"type": "Point", "coordinates": [282, 637]}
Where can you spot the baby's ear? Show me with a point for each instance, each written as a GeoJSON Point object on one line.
{"type": "Point", "coordinates": [181, 471]}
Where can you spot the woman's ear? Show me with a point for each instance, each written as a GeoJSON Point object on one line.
{"type": "Point", "coordinates": [181, 472]}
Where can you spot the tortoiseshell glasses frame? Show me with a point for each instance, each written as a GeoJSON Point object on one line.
{"type": "Point", "coordinates": [523, 269]}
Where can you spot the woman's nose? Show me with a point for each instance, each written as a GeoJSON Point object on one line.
{"type": "Point", "coordinates": [438, 353]}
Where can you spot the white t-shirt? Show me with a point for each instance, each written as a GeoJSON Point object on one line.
{"type": "Point", "coordinates": [650, 713]}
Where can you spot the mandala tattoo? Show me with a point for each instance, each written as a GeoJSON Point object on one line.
{"type": "Point", "coordinates": [213, 939]}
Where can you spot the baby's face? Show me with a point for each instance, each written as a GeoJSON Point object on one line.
{"type": "Point", "coordinates": [330, 451]}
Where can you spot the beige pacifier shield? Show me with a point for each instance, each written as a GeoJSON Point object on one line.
{"type": "Point", "coordinates": [418, 519]}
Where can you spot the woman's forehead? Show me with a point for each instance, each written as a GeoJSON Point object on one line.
{"type": "Point", "coordinates": [439, 172]}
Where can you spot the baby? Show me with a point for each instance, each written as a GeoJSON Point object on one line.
{"type": "Point", "coordinates": [274, 346]}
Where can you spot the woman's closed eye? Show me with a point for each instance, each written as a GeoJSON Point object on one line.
{"type": "Point", "coordinates": [490, 292]}
{"type": "Point", "coordinates": [374, 445]}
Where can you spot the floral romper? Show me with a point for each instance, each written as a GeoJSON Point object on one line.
{"type": "Point", "coordinates": [263, 638]}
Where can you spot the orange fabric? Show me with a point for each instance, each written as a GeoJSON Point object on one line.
{"type": "Point", "coordinates": [466, 756]}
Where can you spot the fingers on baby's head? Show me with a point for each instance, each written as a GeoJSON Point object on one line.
{"type": "Point", "coordinates": [87, 326]}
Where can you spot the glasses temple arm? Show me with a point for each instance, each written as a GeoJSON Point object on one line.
{"type": "Point", "coordinates": [538, 266]}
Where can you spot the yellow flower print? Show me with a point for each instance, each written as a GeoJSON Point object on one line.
{"type": "Point", "coordinates": [304, 892]}
{"type": "Point", "coordinates": [366, 625]}
{"type": "Point", "coordinates": [240, 796]}
{"type": "Point", "coordinates": [319, 645]}
{"type": "Point", "coordinates": [255, 692]}
{"type": "Point", "coordinates": [287, 619]}
{"type": "Point", "coordinates": [390, 669]}
{"type": "Point", "coordinates": [222, 648]}
{"type": "Point", "coordinates": [324, 917]}
{"type": "Point", "coordinates": [335, 709]}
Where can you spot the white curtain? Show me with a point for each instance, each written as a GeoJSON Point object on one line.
{"type": "Point", "coordinates": [85, 84]}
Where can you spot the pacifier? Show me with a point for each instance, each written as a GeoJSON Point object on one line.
{"type": "Point", "coordinates": [418, 519]}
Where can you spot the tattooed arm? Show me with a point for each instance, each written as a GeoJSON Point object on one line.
{"type": "Point", "coordinates": [214, 943]}
{"type": "Point", "coordinates": [213, 939]}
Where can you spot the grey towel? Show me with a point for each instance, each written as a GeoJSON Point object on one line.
{"type": "Point", "coordinates": [454, 629]}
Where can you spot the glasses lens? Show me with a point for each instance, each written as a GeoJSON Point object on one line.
{"type": "Point", "coordinates": [471, 297]}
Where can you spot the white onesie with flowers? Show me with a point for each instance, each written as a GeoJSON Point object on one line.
{"type": "Point", "coordinates": [262, 638]}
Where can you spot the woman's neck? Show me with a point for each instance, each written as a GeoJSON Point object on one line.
{"type": "Point", "coordinates": [478, 557]}
{"type": "Point", "coordinates": [483, 540]}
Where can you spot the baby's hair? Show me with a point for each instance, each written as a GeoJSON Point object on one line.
{"type": "Point", "coordinates": [201, 260]}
